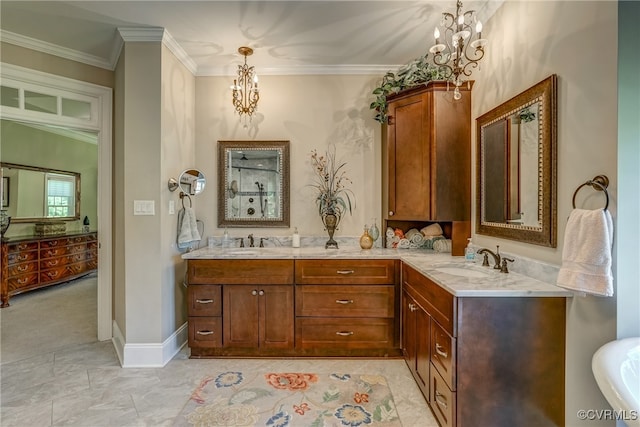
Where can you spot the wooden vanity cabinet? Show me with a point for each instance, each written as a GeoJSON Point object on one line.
{"type": "Point", "coordinates": [35, 262]}
{"type": "Point", "coordinates": [427, 153]}
{"type": "Point", "coordinates": [346, 307]}
{"type": "Point", "coordinates": [251, 308]}
{"type": "Point", "coordinates": [495, 361]}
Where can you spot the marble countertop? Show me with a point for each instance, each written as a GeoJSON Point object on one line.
{"type": "Point", "coordinates": [451, 272]}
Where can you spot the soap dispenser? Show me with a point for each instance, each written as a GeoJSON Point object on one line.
{"type": "Point", "coordinates": [295, 239]}
{"type": "Point", "coordinates": [469, 253]}
{"type": "Point", "coordinates": [226, 240]}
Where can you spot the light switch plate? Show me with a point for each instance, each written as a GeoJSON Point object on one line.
{"type": "Point", "coordinates": [144, 207]}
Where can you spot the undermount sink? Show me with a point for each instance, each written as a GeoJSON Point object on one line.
{"type": "Point", "coordinates": [242, 252]}
{"type": "Point", "coordinates": [459, 271]}
{"type": "Point", "coordinates": [616, 368]}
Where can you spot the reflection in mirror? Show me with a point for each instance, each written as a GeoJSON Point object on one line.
{"type": "Point", "coordinates": [253, 185]}
{"type": "Point", "coordinates": [30, 193]}
{"type": "Point", "coordinates": [192, 182]}
{"type": "Point", "coordinates": [516, 174]}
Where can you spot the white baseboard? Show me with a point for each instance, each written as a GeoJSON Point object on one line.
{"type": "Point", "coordinates": [148, 355]}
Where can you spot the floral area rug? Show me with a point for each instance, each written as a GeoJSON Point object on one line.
{"type": "Point", "coordinates": [290, 399]}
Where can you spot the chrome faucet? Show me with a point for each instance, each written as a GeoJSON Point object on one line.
{"type": "Point", "coordinates": [496, 257]}
{"type": "Point", "coordinates": [250, 237]}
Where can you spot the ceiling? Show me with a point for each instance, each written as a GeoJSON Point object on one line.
{"type": "Point", "coordinates": [288, 37]}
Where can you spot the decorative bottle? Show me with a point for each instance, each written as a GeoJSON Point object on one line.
{"type": "Point", "coordinates": [295, 239]}
{"type": "Point", "coordinates": [366, 241]}
{"type": "Point", "coordinates": [374, 231]}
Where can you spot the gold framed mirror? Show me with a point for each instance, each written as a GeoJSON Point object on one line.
{"type": "Point", "coordinates": [35, 194]}
{"type": "Point", "coordinates": [516, 167]}
{"type": "Point", "coordinates": [253, 183]}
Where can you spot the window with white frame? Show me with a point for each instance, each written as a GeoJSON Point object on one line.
{"type": "Point", "coordinates": [60, 195]}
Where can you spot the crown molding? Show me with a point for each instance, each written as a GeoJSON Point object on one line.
{"type": "Point", "coordinates": [55, 50]}
{"type": "Point", "coordinates": [303, 70]}
{"type": "Point", "coordinates": [159, 34]}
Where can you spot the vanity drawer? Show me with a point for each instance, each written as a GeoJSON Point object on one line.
{"type": "Point", "coordinates": [240, 271]}
{"type": "Point", "coordinates": [345, 271]}
{"type": "Point", "coordinates": [22, 246]}
{"type": "Point", "coordinates": [60, 261]}
{"type": "Point", "coordinates": [443, 354]}
{"type": "Point", "coordinates": [205, 332]}
{"type": "Point", "coordinates": [22, 268]}
{"type": "Point", "coordinates": [441, 399]}
{"type": "Point", "coordinates": [18, 283]}
{"type": "Point", "coordinates": [346, 333]}
{"type": "Point", "coordinates": [439, 303]}
{"type": "Point", "coordinates": [345, 301]}
{"type": "Point", "coordinates": [204, 300]}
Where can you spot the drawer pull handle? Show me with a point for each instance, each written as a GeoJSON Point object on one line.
{"type": "Point", "coordinates": [22, 247]}
{"type": "Point", "coordinates": [204, 332]}
{"type": "Point", "coordinates": [23, 281]}
{"type": "Point", "coordinates": [345, 271]}
{"type": "Point", "coordinates": [53, 274]}
{"type": "Point", "coordinates": [23, 268]}
{"type": "Point", "coordinates": [23, 257]}
{"type": "Point", "coordinates": [413, 307]}
{"type": "Point", "coordinates": [440, 350]}
{"type": "Point", "coordinates": [344, 333]}
{"type": "Point", "coordinates": [441, 400]}
{"type": "Point", "coordinates": [344, 301]}
{"type": "Point", "coordinates": [53, 263]}
{"type": "Point", "coordinates": [204, 301]}
{"type": "Point", "coordinates": [53, 243]}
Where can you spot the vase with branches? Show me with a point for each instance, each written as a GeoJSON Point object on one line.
{"type": "Point", "coordinates": [333, 198]}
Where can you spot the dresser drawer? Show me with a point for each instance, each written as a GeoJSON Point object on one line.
{"type": "Point", "coordinates": [22, 246]}
{"type": "Point", "coordinates": [313, 332]}
{"type": "Point", "coordinates": [22, 281]}
{"type": "Point", "coordinates": [345, 271]}
{"type": "Point", "coordinates": [443, 354]}
{"type": "Point", "coordinates": [441, 399]}
{"type": "Point", "coordinates": [204, 300]}
{"type": "Point", "coordinates": [240, 271]}
{"type": "Point", "coordinates": [439, 303]}
{"type": "Point", "coordinates": [19, 257]}
{"type": "Point", "coordinates": [47, 263]}
{"type": "Point", "coordinates": [345, 301]}
{"type": "Point", "coordinates": [205, 332]}
{"type": "Point", "coordinates": [22, 268]}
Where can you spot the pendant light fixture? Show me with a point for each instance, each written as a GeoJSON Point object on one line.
{"type": "Point", "coordinates": [245, 87]}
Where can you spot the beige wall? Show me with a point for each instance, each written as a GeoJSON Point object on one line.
{"type": "Point", "coordinates": [577, 41]}
{"type": "Point", "coordinates": [311, 112]}
{"type": "Point", "coordinates": [51, 64]}
{"type": "Point", "coordinates": [178, 153]}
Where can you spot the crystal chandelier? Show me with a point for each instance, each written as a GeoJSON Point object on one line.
{"type": "Point", "coordinates": [461, 49]}
{"type": "Point", "coordinates": [245, 87]}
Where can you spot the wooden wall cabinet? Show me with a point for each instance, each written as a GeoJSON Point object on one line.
{"type": "Point", "coordinates": [427, 159]}
{"type": "Point", "coordinates": [495, 361]}
{"type": "Point", "coordinates": [35, 262]}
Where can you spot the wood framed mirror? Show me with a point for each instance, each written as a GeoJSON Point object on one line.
{"type": "Point", "coordinates": [516, 167]}
{"type": "Point", "coordinates": [253, 184]}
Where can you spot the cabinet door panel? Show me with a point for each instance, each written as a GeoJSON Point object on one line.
{"type": "Point", "coordinates": [240, 316]}
{"type": "Point", "coordinates": [423, 346]}
{"type": "Point", "coordinates": [276, 316]}
{"type": "Point", "coordinates": [409, 154]}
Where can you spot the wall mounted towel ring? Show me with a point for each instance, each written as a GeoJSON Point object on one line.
{"type": "Point", "coordinates": [598, 183]}
{"type": "Point", "coordinates": [183, 196]}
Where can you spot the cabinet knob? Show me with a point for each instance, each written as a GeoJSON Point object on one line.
{"type": "Point", "coordinates": [390, 213]}
{"type": "Point", "coordinates": [254, 292]}
{"type": "Point", "coordinates": [261, 292]}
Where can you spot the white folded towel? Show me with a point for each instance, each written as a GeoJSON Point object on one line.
{"type": "Point", "coordinates": [187, 228]}
{"type": "Point", "coordinates": [586, 255]}
{"type": "Point", "coordinates": [432, 230]}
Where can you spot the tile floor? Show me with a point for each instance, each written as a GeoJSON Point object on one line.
{"type": "Point", "coordinates": [73, 380]}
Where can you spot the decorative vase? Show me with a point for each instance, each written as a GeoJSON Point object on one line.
{"type": "Point", "coordinates": [5, 220]}
{"type": "Point", "coordinates": [374, 231]}
{"type": "Point", "coordinates": [330, 221]}
{"type": "Point", "coordinates": [366, 241]}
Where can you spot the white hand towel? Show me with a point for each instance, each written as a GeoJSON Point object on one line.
{"type": "Point", "coordinates": [187, 228]}
{"type": "Point", "coordinates": [586, 255]}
